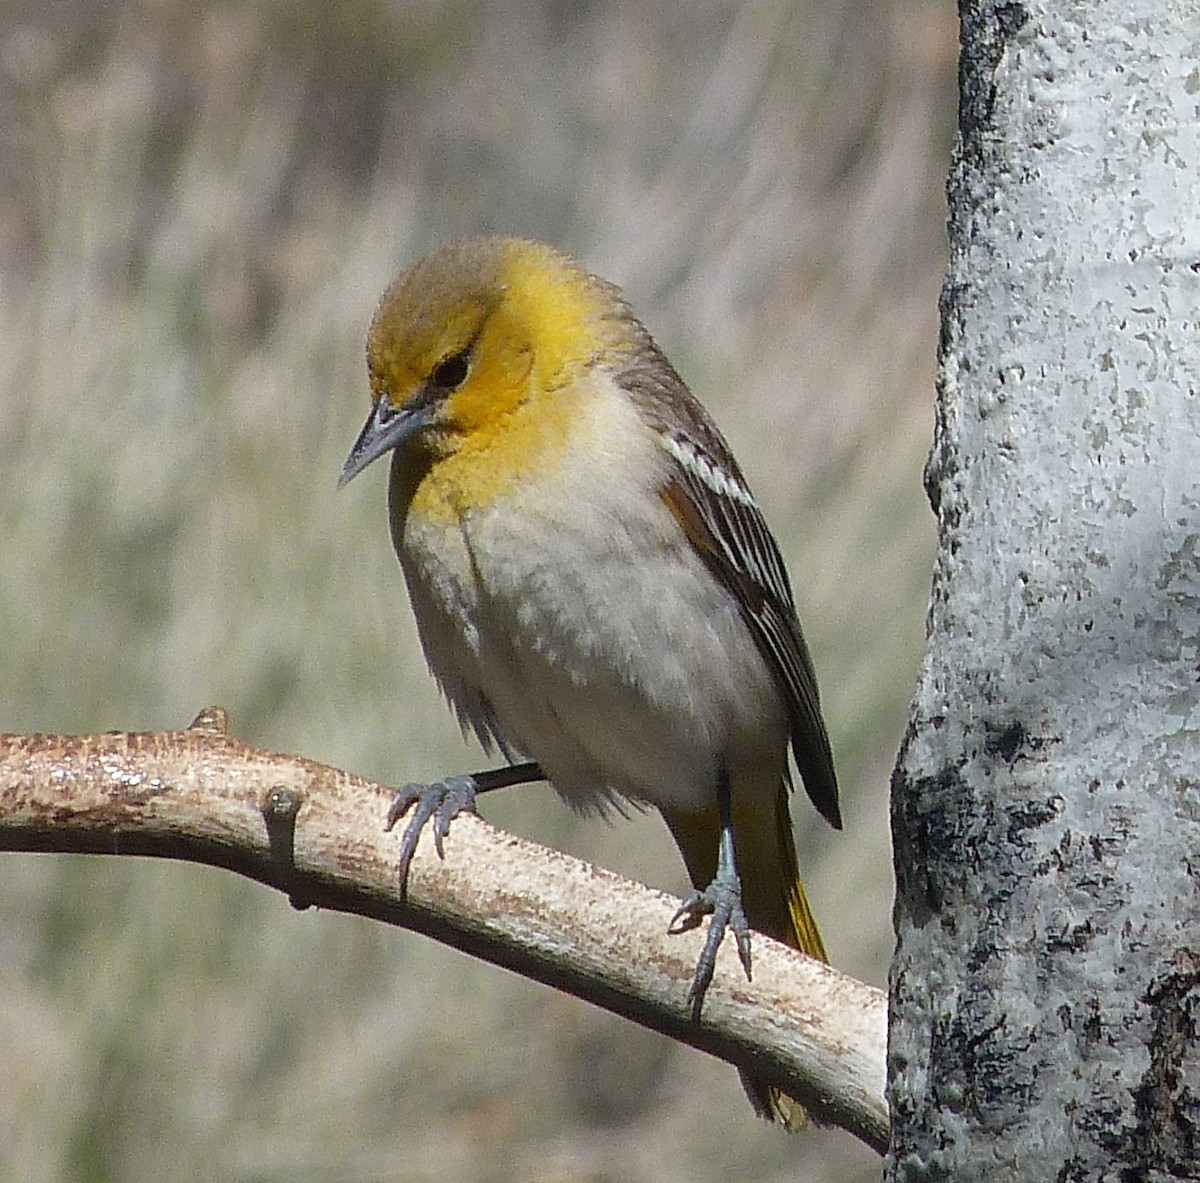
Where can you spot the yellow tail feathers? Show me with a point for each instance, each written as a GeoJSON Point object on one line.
{"type": "Point", "coordinates": [772, 894]}
{"type": "Point", "coordinates": [804, 933]}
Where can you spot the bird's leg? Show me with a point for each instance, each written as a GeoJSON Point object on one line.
{"type": "Point", "coordinates": [722, 900]}
{"type": "Point", "coordinates": [443, 801]}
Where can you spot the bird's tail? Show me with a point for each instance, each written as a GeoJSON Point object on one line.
{"type": "Point", "coordinates": [772, 894]}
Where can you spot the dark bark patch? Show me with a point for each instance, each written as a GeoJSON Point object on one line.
{"type": "Point", "coordinates": [1165, 1142]}
{"type": "Point", "coordinates": [1011, 742]}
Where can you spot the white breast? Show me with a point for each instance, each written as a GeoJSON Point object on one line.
{"type": "Point", "coordinates": [576, 625]}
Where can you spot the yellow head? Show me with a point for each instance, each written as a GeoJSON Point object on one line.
{"type": "Point", "coordinates": [478, 341]}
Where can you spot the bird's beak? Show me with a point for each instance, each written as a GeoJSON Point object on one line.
{"type": "Point", "coordinates": [387, 427]}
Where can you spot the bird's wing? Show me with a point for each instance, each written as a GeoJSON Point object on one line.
{"type": "Point", "coordinates": [708, 496]}
{"type": "Point", "coordinates": [725, 525]}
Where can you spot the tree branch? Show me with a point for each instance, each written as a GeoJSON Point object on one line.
{"type": "Point", "coordinates": [316, 833]}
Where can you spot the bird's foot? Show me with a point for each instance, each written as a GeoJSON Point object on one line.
{"type": "Point", "coordinates": [722, 900]}
{"type": "Point", "coordinates": [442, 802]}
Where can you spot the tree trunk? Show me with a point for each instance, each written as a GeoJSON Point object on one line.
{"type": "Point", "coordinates": [1046, 816]}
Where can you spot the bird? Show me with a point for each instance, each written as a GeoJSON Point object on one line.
{"type": "Point", "coordinates": [595, 588]}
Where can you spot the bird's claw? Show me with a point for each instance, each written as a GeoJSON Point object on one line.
{"type": "Point", "coordinates": [723, 902]}
{"type": "Point", "coordinates": [442, 802]}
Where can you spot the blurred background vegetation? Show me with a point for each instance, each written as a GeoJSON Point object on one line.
{"type": "Point", "coordinates": [200, 205]}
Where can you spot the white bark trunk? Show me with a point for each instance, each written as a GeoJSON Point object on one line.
{"type": "Point", "coordinates": [1046, 815]}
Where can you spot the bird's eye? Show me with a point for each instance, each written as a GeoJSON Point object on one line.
{"type": "Point", "coordinates": [450, 372]}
